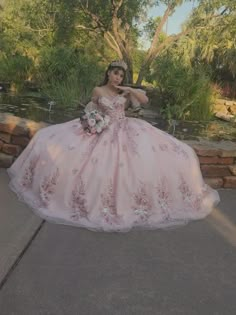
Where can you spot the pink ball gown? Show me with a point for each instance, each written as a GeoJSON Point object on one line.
{"type": "Point", "coordinates": [132, 175]}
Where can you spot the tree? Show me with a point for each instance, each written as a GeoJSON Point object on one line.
{"type": "Point", "coordinates": [214, 40]}
{"type": "Point", "coordinates": [157, 46]}
{"type": "Point", "coordinates": [29, 25]}
{"type": "Point", "coordinates": [120, 29]}
{"type": "Point", "coordinates": [116, 22]}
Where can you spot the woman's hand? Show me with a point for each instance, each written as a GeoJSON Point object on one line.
{"type": "Point", "coordinates": [125, 89]}
{"type": "Point", "coordinates": [140, 96]}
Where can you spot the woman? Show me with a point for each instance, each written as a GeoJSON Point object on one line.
{"type": "Point", "coordinates": [107, 172]}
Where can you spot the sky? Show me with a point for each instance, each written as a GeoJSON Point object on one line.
{"type": "Point", "coordinates": [175, 21]}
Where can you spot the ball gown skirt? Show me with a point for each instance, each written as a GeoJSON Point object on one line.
{"type": "Point", "coordinates": [132, 175]}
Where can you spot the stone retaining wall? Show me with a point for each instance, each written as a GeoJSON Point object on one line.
{"type": "Point", "coordinates": [15, 134]}
{"type": "Point", "coordinates": [217, 159]}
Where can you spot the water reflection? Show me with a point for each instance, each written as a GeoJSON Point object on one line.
{"type": "Point", "coordinates": [36, 108]}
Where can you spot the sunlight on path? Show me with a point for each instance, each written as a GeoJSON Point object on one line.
{"type": "Point", "coordinates": [223, 225]}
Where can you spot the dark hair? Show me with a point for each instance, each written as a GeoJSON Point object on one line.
{"type": "Point", "coordinates": [111, 68]}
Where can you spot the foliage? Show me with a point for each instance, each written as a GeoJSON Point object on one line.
{"type": "Point", "coordinates": [27, 26]}
{"type": "Point", "coordinates": [66, 43]}
{"type": "Point", "coordinates": [213, 36]}
{"type": "Point", "coordinates": [43, 32]}
{"type": "Point", "coordinates": [68, 75]}
{"type": "Point", "coordinates": [15, 69]}
{"type": "Point", "coordinates": [186, 91]}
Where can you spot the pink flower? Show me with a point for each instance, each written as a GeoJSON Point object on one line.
{"type": "Point", "coordinates": [98, 117]}
{"type": "Point", "coordinates": [93, 130]}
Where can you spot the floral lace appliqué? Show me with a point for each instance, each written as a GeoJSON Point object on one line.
{"type": "Point", "coordinates": [78, 201]}
{"type": "Point", "coordinates": [28, 176]}
{"type": "Point", "coordinates": [109, 211]}
{"type": "Point", "coordinates": [131, 133]}
{"type": "Point", "coordinates": [191, 199]}
{"type": "Point", "coordinates": [163, 147]}
{"type": "Point", "coordinates": [47, 188]}
{"type": "Point", "coordinates": [142, 207]}
{"type": "Point", "coordinates": [51, 136]}
{"type": "Point", "coordinates": [164, 197]}
{"type": "Point", "coordinates": [177, 148]}
{"type": "Point", "coordinates": [90, 146]}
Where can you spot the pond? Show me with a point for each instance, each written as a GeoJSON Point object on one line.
{"type": "Point", "coordinates": [37, 108]}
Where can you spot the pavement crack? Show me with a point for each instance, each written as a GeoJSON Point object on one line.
{"type": "Point", "coordinates": [18, 259]}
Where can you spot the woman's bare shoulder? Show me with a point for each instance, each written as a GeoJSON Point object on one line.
{"type": "Point", "coordinates": [97, 91]}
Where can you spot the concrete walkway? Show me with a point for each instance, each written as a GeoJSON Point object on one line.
{"type": "Point", "coordinates": [48, 269]}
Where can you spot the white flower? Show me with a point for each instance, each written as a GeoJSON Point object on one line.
{"type": "Point", "coordinates": [91, 122]}
{"type": "Point", "coordinates": [99, 129]}
{"type": "Point", "coordinates": [106, 120]}
{"type": "Point", "coordinates": [93, 130]}
{"type": "Point", "coordinates": [100, 124]}
{"type": "Point", "coordinates": [98, 117]}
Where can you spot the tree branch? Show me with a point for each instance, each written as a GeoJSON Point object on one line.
{"type": "Point", "coordinates": [115, 22]}
{"type": "Point", "coordinates": [95, 29]}
{"type": "Point", "coordinates": [114, 47]}
{"type": "Point", "coordinates": [158, 30]}
{"type": "Point", "coordinates": [116, 5]}
{"type": "Point", "coordinates": [114, 41]}
{"type": "Point", "coordinates": [168, 41]}
{"type": "Point", "coordinates": [94, 17]}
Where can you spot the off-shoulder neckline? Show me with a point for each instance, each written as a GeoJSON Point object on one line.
{"type": "Point", "coordinates": [110, 97]}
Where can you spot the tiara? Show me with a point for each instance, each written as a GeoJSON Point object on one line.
{"type": "Point", "coordinates": [119, 63]}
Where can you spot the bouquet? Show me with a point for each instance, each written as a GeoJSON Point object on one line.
{"type": "Point", "coordinates": [94, 121]}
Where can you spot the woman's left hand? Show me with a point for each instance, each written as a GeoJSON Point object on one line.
{"type": "Point", "coordinates": [137, 94]}
{"type": "Point", "coordinates": [125, 89]}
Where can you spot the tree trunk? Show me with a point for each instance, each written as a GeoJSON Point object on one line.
{"type": "Point", "coordinates": [152, 50]}
{"type": "Point", "coordinates": [141, 74]}
{"type": "Point", "coordinates": [129, 72]}
{"type": "Point", "coordinates": [129, 76]}
{"type": "Point", "coordinates": [155, 53]}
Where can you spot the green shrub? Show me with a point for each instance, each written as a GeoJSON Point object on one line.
{"type": "Point", "coordinates": [67, 75]}
{"type": "Point", "coordinates": [15, 69]}
{"type": "Point", "coordinates": [186, 91]}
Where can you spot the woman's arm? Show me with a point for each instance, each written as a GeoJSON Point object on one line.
{"type": "Point", "coordinates": [96, 93]}
{"type": "Point", "coordinates": [92, 105]}
{"type": "Point", "coordinates": [140, 96]}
